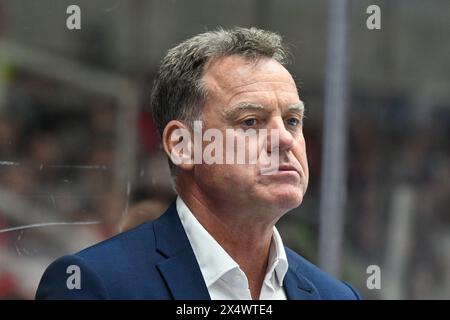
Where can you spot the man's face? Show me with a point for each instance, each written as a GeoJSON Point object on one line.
{"type": "Point", "coordinates": [247, 95]}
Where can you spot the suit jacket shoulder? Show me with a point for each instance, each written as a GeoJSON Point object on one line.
{"type": "Point", "coordinates": [122, 267]}
{"type": "Point", "coordinates": [152, 261]}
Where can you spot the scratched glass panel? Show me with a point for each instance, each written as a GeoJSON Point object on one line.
{"type": "Point", "coordinates": [80, 160]}
{"type": "Point", "coordinates": [59, 173]}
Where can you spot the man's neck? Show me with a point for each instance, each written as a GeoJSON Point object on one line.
{"type": "Point", "coordinates": [247, 240]}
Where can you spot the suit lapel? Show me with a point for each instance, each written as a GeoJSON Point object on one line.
{"type": "Point", "coordinates": [296, 286]}
{"type": "Point", "coordinates": [183, 278]}
{"type": "Point", "coordinates": [180, 270]}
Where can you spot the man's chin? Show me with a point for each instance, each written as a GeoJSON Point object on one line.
{"type": "Point", "coordinates": [284, 200]}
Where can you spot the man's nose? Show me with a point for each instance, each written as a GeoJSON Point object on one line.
{"type": "Point", "coordinates": [279, 138]}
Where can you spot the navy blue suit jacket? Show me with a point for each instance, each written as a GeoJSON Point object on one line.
{"type": "Point", "coordinates": [156, 261]}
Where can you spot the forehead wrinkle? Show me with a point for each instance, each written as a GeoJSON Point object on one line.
{"type": "Point", "coordinates": [287, 83]}
{"type": "Point", "coordinates": [264, 93]}
{"type": "Point", "coordinates": [242, 107]}
{"type": "Point", "coordinates": [288, 87]}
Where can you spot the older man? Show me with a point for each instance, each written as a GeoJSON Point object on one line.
{"type": "Point", "coordinates": [218, 240]}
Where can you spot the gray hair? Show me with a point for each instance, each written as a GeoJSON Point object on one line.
{"type": "Point", "coordinates": [178, 92]}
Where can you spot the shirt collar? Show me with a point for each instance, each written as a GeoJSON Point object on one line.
{"type": "Point", "coordinates": [214, 261]}
{"type": "Point", "coordinates": [277, 258]}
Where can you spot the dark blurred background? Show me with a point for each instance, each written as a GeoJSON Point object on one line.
{"type": "Point", "coordinates": [79, 151]}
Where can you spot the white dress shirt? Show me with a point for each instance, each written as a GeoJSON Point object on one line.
{"type": "Point", "coordinates": [223, 276]}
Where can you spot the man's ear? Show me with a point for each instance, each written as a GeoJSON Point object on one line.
{"type": "Point", "coordinates": [178, 145]}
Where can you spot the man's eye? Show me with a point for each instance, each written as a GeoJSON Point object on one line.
{"type": "Point", "coordinates": [293, 121]}
{"type": "Point", "coordinates": [250, 122]}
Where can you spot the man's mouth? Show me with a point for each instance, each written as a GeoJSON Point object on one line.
{"type": "Point", "coordinates": [284, 167]}
{"type": "Point", "coordinates": [287, 167]}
